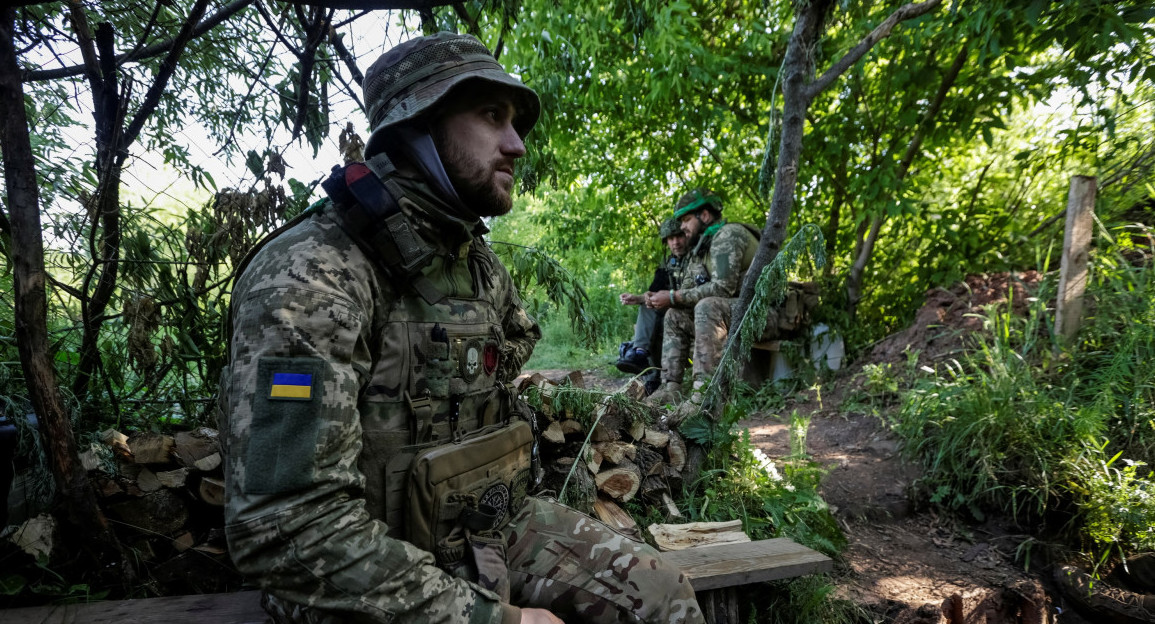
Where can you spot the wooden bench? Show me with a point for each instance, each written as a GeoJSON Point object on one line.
{"type": "Point", "coordinates": [716, 572]}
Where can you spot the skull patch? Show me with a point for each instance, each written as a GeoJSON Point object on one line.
{"type": "Point", "coordinates": [471, 360]}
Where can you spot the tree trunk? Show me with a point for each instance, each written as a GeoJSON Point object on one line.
{"type": "Point", "coordinates": [797, 92]}
{"type": "Point", "coordinates": [798, 71]}
{"type": "Point", "coordinates": [88, 525]}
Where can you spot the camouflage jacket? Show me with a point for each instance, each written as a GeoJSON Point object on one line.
{"type": "Point", "coordinates": [717, 265]}
{"type": "Point", "coordinates": [333, 367]}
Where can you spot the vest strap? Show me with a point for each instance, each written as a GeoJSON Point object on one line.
{"type": "Point", "coordinates": [420, 418]}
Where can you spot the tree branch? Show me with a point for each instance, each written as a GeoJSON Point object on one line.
{"type": "Point", "coordinates": [155, 49]}
{"type": "Point", "coordinates": [901, 14]}
{"type": "Point", "coordinates": [338, 41]}
{"type": "Point", "coordinates": [163, 75]}
{"type": "Point", "coordinates": [86, 41]}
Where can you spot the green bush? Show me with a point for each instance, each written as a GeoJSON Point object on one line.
{"type": "Point", "coordinates": [1023, 424]}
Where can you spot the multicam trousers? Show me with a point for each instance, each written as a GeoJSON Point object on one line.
{"type": "Point", "coordinates": [577, 567]}
{"type": "Point", "coordinates": [699, 334]}
{"type": "Point", "coordinates": [583, 571]}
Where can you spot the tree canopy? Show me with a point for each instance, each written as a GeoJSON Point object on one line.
{"type": "Point", "coordinates": [933, 139]}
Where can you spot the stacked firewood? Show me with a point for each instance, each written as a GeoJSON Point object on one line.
{"type": "Point", "coordinates": [165, 496]}
{"type": "Point", "coordinates": [600, 451]}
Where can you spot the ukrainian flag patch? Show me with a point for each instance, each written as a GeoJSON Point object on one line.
{"type": "Point", "coordinates": [292, 386]}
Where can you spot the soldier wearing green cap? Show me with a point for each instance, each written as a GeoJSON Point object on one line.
{"type": "Point", "coordinates": [375, 468]}
{"type": "Point", "coordinates": [698, 320]}
{"type": "Point", "coordinates": [644, 351]}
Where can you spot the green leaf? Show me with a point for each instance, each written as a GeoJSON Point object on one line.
{"type": "Point", "coordinates": [255, 163]}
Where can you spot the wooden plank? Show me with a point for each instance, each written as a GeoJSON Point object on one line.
{"type": "Point", "coordinates": [1076, 252]}
{"type": "Point", "coordinates": [697, 534]}
{"type": "Point", "coordinates": [231, 608]}
{"type": "Point", "coordinates": [726, 565]}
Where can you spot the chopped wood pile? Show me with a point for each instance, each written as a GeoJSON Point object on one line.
{"type": "Point", "coordinates": [165, 497]}
{"type": "Point", "coordinates": [622, 450]}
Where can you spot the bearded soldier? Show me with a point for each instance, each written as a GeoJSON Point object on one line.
{"type": "Point", "coordinates": [376, 470]}
{"type": "Point", "coordinates": [698, 320]}
{"type": "Point", "coordinates": [644, 351]}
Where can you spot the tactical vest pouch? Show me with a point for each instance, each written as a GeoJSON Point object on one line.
{"type": "Point", "coordinates": [490, 468]}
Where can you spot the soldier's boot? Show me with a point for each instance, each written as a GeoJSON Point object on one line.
{"type": "Point", "coordinates": [1103, 602]}
{"type": "Point", "coordinates": [690, 407]}
{"type": "Point", "coordinates": [669, 394]}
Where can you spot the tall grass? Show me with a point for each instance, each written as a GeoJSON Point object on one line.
{"type": "Point", "coordinates": [1026, 425]}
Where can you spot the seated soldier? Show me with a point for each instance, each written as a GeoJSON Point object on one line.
{"type": "Point", "coordinates": [698, 321]}
{"type": "Point", "coordinates": [643, 351]}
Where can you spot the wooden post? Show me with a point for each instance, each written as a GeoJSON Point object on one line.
{"type": "Point", "coordinates": [1076, 248]}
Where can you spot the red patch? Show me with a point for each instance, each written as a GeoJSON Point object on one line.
{"type": "Point", "coordinates": [489, 358]}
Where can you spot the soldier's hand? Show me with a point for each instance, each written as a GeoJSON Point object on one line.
{"type": "Point", "coordinates": [631, 299]}
{"type": "Point", "coordinates": [539, 616]}
{"type": "Point", "coordinates": [658, 300]}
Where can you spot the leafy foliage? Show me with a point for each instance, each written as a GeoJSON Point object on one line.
{"type": "Point", "coordinates": [1014, 427]}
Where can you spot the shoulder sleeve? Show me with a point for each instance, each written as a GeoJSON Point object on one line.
{"type": "Point", "coordinates": [295, 519]}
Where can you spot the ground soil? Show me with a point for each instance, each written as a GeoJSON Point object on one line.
{"type": "Point", "coordinates": [907, 562]}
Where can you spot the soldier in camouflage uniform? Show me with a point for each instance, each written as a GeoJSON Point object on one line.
{"type": "Point", "coordinates": [645, 350]}
{"type": "Point", "coordinates": [698, 320]}
{"type": "Point", "coordinates": [358, 345]}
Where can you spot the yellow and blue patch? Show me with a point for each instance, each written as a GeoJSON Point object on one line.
{"type": "Point", "coordinates": [293, 386]}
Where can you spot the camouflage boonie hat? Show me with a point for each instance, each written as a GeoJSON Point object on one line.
{"type": "Point", "coordinates": [415, 76]}
{"type": "Point", "coordinates": [670, 227]}
{"type": "Point", "coordinates": [695, 200]}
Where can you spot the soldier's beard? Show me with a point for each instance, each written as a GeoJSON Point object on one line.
{"type": "Point", "coordinates": [475, 181]}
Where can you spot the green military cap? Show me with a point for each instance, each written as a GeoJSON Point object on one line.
{"type": "Point", "coordinates": [695, 200]}
{"type": "Point", "coordinates": [670, 227]}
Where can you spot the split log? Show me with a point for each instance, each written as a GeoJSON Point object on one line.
{"type": "Point", "coordinates": [118, 442]}
{"type": "Point", "coordinates": [604, 433]}
{"type": "Point", "coordinates": [681, 536]}
{"type": "Point", "coordinates": [190, 447]}
{"type": "Point", "coordinates": [655, 438]}
{"type": "Point", "coordinates": [611, 418]}
{"type": "Point", "coordinates": [151, 448]}
{"type": "Point", "coordinates": [208, 464]}
{"type": "Point", "coordinates": [173, 478]}
{"type": "Point", "coordinates": [593, 460]}
{"type": "Point", "coordinates": [634, 389]}
{"type": "Point", "coordinates": [616, 451]}
{"type": "Point", "coordinates": [579, 492]}
{"type": "Point", "coordinates": [648, 460]}
{"type": "Point", "coordinates": [553, 433]}
{"type": "Point", "coordinates": [575, 379]}
{"type": "Point", "coordinates": [572, 426]}
{"type": "Point", "coordinates": [610, 513]}
{"type": "Point", "coordinates": [212, 491]}
{"type": "Point", "coordinates": [637, 430]}
{"type": "Point", "coordinates": [147, 481]}
{"type": "Point", "coordinates": [620, 482]}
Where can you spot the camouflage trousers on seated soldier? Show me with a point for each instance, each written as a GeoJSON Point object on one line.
{"type": "Point", "coordinates": [584, 571]}
{"type": "Point", "coordinates": [577, 567]}
{"type": "Point", "coordinates": [698, 334]}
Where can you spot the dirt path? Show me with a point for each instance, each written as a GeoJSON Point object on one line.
{"type": "Point", "coordinates": [904, 564]}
